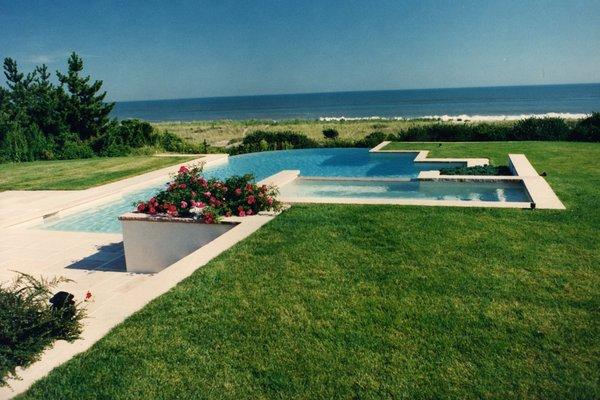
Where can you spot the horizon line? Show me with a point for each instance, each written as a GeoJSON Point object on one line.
{"type": "Point", "coordinates": [356, 91]}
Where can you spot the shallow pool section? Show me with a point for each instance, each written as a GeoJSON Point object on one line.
{"type": "Point", "coordinates": [498, 191]}
{"type": "Point", "coordinates": [102, 218]}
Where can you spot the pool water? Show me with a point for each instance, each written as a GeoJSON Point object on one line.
{"type": "Point", "coordinates": [334, 162]}
{"type": "Point", "coordinates": [358, 163]}
{"type": "Point", "coordinates": [426, 190]}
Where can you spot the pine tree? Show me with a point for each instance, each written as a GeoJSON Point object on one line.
{"type": "Point", "coordinates": [14, 78]}
{"type": "Point", "coordinates": [45, 104]}
{"type": "Point", "coordinates": [86, 112]}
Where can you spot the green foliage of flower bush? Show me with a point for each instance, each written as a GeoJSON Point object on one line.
{"type": "Point", "coordinates": [29, 323]}
{"type": "Point", "coordinates": [189, 194]}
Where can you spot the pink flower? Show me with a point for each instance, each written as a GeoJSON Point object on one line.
{"type": "Point", "coordinates": [207, 194]}
{"type": "Point", "coordinates": [152, 210]}
{"type": "Point", "coordinates": [183, 204]}
{"type": "Point", "coordinates": [183, 169]}
{"type": "Point", "coordinates": [141, 207]}
{"type": "Point", "coordinates": [208, 218]}
{"type": "Point", "coordinates": [249, 188]}
{"type": "Point", "coordinates": [238, 192]}
{"type": "Point", "coordinates": [242, 213]}
{"type": "Point", "coordinates": [182, 186]}
{"type": "Point", "coordinates": [270, 201]}
{"type": "Point", "coordinates": [263, 188]}
{"type": "Point", "coordinates": [153, 200]}
{"type": "Point", "coordinates": [251, 200]}
{"type": "Point", "coordinates": [249, 212]}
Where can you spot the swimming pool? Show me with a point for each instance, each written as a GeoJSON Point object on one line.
{"type": "Point", "coordinates": [329, 162]}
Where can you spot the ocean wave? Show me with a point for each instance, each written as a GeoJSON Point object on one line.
{"type": "Point", "coordinates": [462, 117]}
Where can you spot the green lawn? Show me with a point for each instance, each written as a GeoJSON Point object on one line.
{"type": "Point", "coordinates": [78, 174]}
{"type": "Point", "coordinates": [378, 302]}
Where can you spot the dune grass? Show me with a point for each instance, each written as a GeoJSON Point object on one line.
{"type": "Point", "coordinates": [349, 301]}
{"type": "Point", "coordinates": [222, 132]}
{"type": "Point", "coordinates": [78, 174]}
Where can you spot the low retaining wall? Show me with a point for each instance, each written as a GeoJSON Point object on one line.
{"type": "Point", "coordinates": [153, 243]}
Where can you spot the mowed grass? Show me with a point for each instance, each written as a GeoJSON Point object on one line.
{"type": "Point", "coordinates": [349, 301]}
{"type": "Point", "coordinates": [78, 174]}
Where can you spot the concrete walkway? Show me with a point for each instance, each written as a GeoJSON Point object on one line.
{"type": "Point", "coordinates": [94, 261]}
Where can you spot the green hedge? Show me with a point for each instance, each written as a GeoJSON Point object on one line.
{"type": "Point", "coordinates": [266, 140]}
{"type": "Point", "coordinates": [543, 129]}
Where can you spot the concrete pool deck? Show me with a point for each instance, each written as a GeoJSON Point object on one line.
{"type": "Point", "coordinates": [94, 261]}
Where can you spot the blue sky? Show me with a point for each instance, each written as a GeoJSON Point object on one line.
{"type": "Point", "coordinates": [177, 49]}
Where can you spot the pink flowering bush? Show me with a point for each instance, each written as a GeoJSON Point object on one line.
{"type": "Point", "coordinates": [189, 194]}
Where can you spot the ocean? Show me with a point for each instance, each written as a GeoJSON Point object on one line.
{"type": "Point", "coordinates": [484, 103]}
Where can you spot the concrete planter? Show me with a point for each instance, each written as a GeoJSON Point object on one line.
{"type": "Point", "coordinates": [152, 243]}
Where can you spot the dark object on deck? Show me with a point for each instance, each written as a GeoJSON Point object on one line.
{"type": "Point", "coordinates": [544, 173]}
{"type": "Point", "coordinates": [62, 300]}
{"type": "Point", "coordinates": [532, 205]}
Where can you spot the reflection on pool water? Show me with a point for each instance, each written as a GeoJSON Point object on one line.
{"type": "Point", "coordinates": [426, 190]}
{"type": "Point", "coordinates": [359, 163]}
